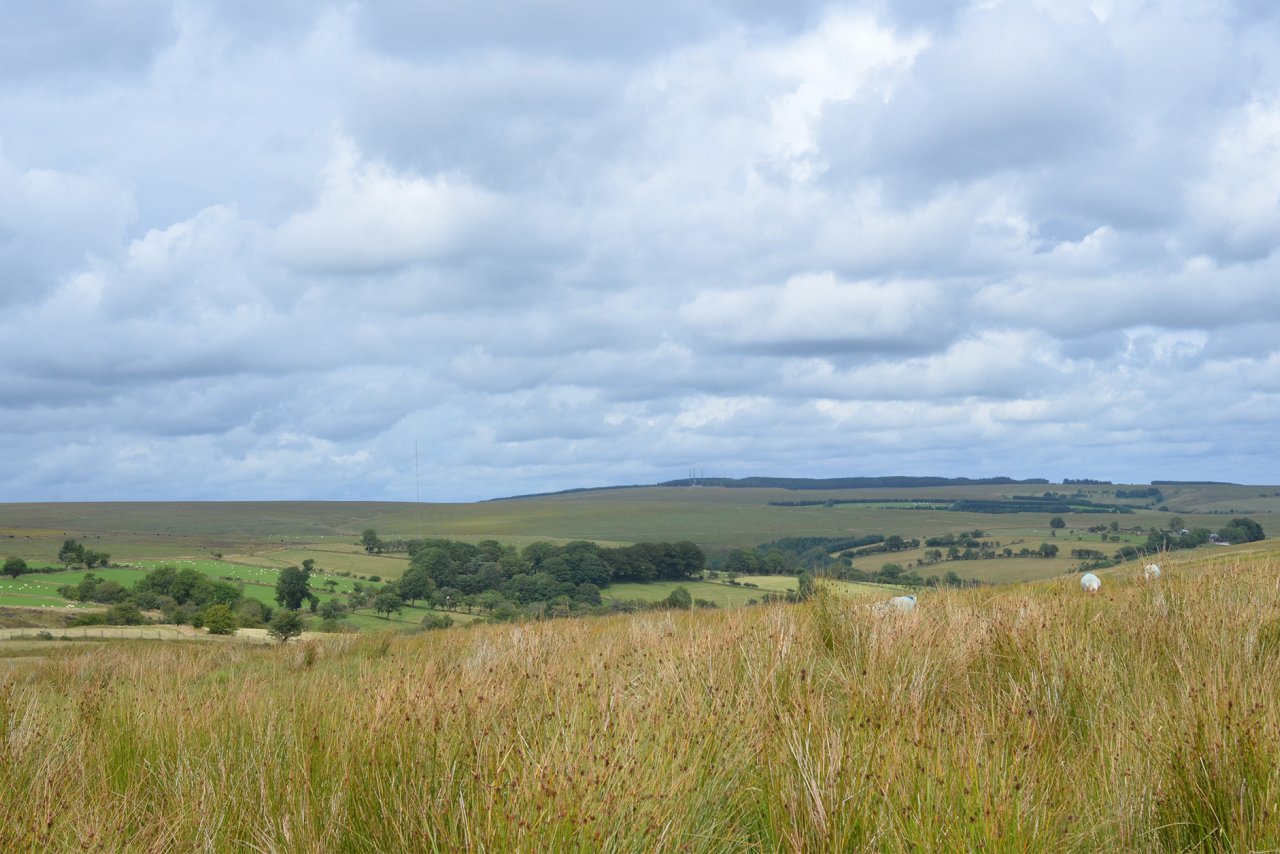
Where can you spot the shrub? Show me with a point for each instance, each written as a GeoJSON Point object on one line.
{"type": "Point", "coordinates": [679, 598]}
{"type": "Point", "coordinates": [219, 620]}
{"type": "Point", "coordinates": [284, 625]}
{"type": "Point", "coordinates": [125, 614]}
{"type": "Point", "coordinates": [437, 621]}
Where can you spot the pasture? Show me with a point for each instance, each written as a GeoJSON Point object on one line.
{"type": "Point", "coordinates": [1030, 718]}
{"type": "Point", "coordinates": [717, 518]}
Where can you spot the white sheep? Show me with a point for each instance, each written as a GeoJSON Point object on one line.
{"type": "Point", "coordinates": [898, 604]}
{"type": "Point", "coordinates": [1151, 571]}
{"type": "Point", "coordinates": [1090, 583]}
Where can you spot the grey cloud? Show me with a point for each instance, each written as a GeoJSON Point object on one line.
{"type": "Point", "coordinates": [280, 245]}
{"type": "Point", "coordinates": [70, 43]}
{"type": "Point", "coordinates": [52, 222]}
{"type": "Point", "coordinates": [969, 110]}
{"type": "Point", "coordinates": [619, 32]}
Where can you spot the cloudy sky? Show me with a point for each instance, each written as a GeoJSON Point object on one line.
{"type": "Point", "coordinates": [257, 250]}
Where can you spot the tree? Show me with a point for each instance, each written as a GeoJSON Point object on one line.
{"type": "Point", "coordinates": [417, 583]}
{"type": "Point", "coordinates": [1048, 550]}
{"type": "Point", "coordinates": [284, 625]}
{"type": "Point", "coordinates": [435, 564]}
{"type": "Point", "coordinates": [807, 586]}
{"type": "Point", "coordinates": [369, 539]}
{"type": "Point", "coordinates": [1175, 524]}
{"type": "Point", "coordinates": [71, 553]}
{"type": "Point", "coordinates": [219, 620]}
{"type": "Point", "coordinates": [679, 598]}
{"type": "Point", "coordinates": [251, 613]}
{"type": "Point", "coordinates": [587, 594]}
{"type": "Point", "coordinates": [388, 602]}
{"type": "Point", "coordinates": [1242, 530]}
{"type": "Point", "coordinates": [333, 610]}
{"type": "Point", "coordinates": [15, 566]}
{"type": "Point", "coordinates": [92, 558]}
{"type": "Point", "coordinates": [1057, 522]}
{"type": "Point", "coordinates": [450, 596]}
{"type": "Point", "coordinates": [741, 561]}
{"type": "Point", "coordinates": [293, 585]}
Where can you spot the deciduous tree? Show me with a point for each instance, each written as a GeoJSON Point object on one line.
{"type": "Point", "coordinates": [293, 586]}
{"type": "Point", "coordinates": [284, 625]}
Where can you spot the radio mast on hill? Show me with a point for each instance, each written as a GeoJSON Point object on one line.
{"type": "Point", "coordinates": [417, 488]}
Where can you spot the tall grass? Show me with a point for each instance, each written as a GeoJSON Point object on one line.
{"type": "Point", "coordinates": [1033, 718]}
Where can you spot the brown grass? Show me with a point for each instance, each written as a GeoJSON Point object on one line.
{"type": "Point", "coordinates": [1035, 718]}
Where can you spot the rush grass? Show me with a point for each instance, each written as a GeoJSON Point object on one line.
{"type": "Point", "coordinates": [1036, 718]}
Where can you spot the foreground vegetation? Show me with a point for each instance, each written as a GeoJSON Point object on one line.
{"type": "Point", "coordinates": [1031, 718]}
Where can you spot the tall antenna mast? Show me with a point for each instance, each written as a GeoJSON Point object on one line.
{"type": "Point", "coordinates": [417, 488]}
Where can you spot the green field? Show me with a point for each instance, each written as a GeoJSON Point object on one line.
{"type": "Point", "coordinates": [277, 533]}
{"type": "Point", "coordinates": [331, 558]}
{"type": "Point", "coordinates": [41, 589]}
{"type": "Point", "coordinates": [256, 539]}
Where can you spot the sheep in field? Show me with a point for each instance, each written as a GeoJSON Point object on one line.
{"type": "Point", "coordinates": [896, 605]}
{"type": "Point", "coordinates": [1090, 583]}
{"type": "Point", "coordinates": [1151, 571]}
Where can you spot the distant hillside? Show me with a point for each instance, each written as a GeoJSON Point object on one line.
{"type": "Point", "coordinates": [799, 483]}
{"type": "Point", "coordinates": [891, 482]}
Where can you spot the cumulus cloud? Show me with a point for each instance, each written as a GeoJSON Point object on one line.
{"type": "Point", "coordinates": [817, 311]}
{"type": "Point", "coordinates": [369, 218]}
{"type": "Point", "coordinates": [251, 252]}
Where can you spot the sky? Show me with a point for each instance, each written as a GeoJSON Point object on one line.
{"type": "Point", "coordinates": [398, 250]}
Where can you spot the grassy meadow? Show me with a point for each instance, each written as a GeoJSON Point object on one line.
{"type": "Point", "coordinates": [1033, 717]}
{"type": "Point", "coordinates": [714, 517]}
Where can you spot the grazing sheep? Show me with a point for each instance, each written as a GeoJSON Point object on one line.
{"type": "Point", "coordinates": [1151, 571]}
{"type": "Point", "coordinates": [1090, 583]}
{"type": "Point", "coordinates": [898, 605]}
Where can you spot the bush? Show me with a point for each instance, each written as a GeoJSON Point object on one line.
{"type": "Point", "coordinates": [284, 625]}
{"type": "Point", "coordinates": [437, 621]}
{"type": "Point", "coordinates": [125, 614]}
{"type": "Point", "coordinates": [251, 614]}
{"type": "Point", "coordinates": [679, 598]}
{"type": "Point", "coordinates": [219, 620]}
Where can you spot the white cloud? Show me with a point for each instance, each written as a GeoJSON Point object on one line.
{"type": "Point", "coordinates": [370, 218]}
{"type": "Point", "coordinates": [264, 251]}
{"type": "Point", "coordinates": [1237, 204]}
{"type": "Point", "coordinates": [818, 310]}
